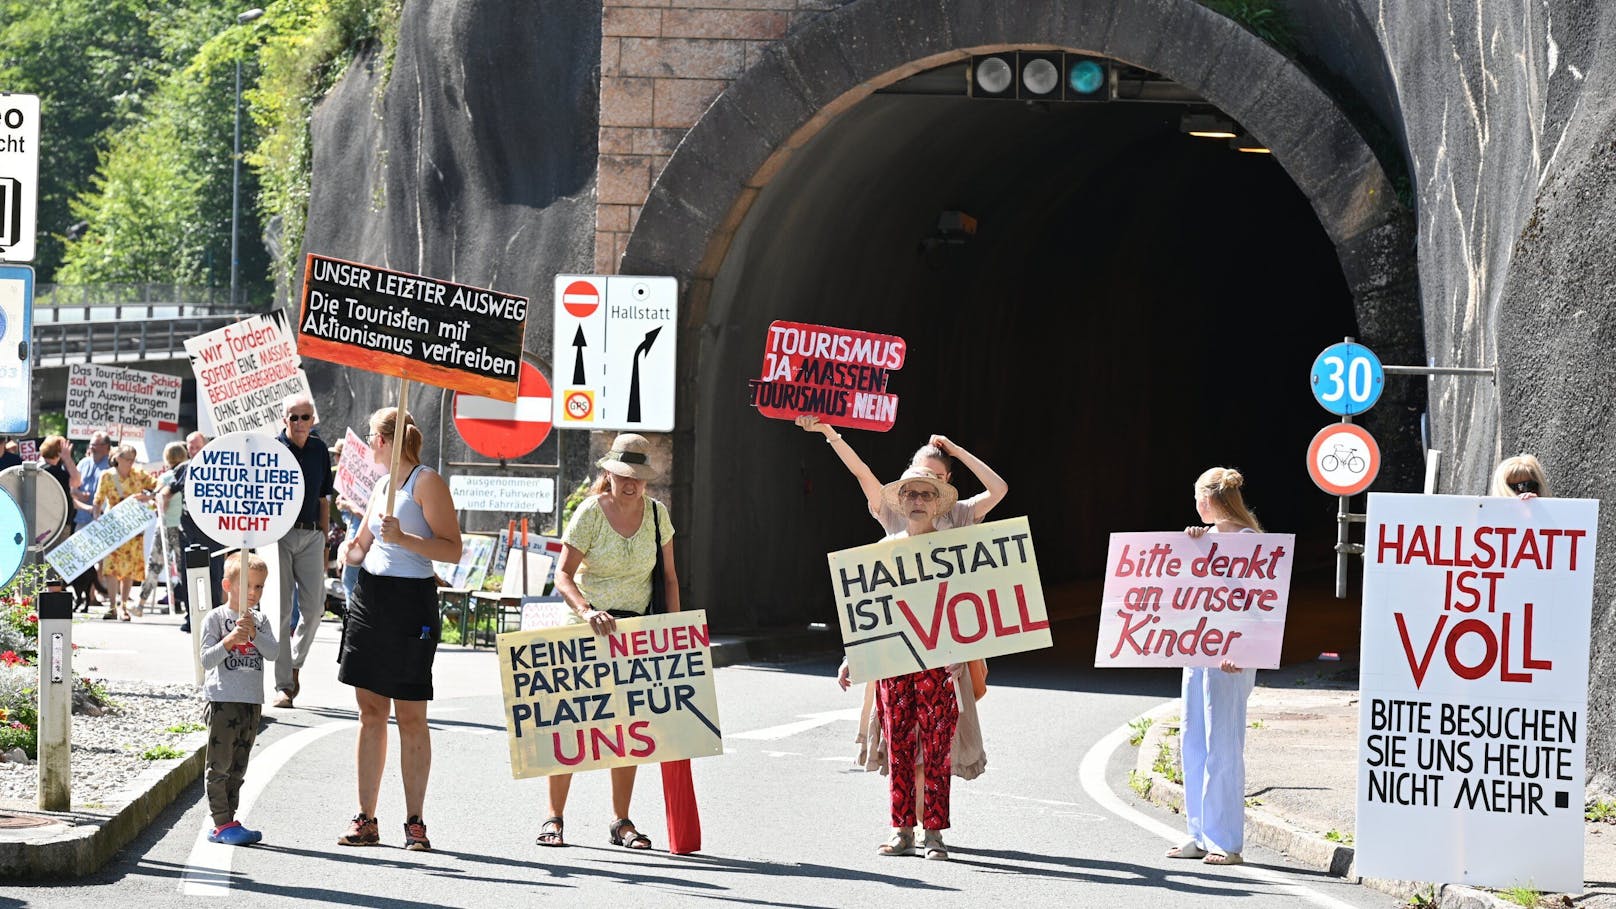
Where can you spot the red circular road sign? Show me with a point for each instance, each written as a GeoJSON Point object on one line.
{"type": "Point", "coordinates": [580, 299]}
{"type": "Point", "coordinates": [506, 429]}
{"type": "Point", "coordinates": [1343, 459]}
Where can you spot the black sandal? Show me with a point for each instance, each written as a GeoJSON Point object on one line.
{"type": "Point", "coordinates": [635, 840]}
{"type": "Point", "coordinates": [550, 832]}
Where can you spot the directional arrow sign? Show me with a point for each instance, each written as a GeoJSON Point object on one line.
{"type": "Point", "coordinates": [622, 372]}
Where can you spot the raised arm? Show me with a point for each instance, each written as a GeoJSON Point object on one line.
{"type": "Point", "coordinates": [994, 488]}
{"type": "Point", "coordinates": [855, 465]}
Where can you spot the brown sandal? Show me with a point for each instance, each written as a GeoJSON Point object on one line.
{"type": "Point", "coordinates": [635, 840]}
{"type": "Point", "coordinates": [550, 832]}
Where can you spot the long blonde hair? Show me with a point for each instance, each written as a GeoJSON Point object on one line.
{"type": "Point", "coordinates": [1518, 469]}
{"type": "Point", "coordinates": [1221, 485]}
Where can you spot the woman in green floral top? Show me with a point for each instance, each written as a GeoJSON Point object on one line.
{"type": "Point", "coordinates": [608, 552]}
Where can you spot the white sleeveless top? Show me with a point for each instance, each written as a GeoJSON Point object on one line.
{"type": "Point", "coordinates": [390, 559]}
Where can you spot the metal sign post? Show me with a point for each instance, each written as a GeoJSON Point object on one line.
{"type": "Point", "coordinates": [55, 700]}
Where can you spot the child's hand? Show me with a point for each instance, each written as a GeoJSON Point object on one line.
{"type": "Point", "coordinates": [237, 637]}
{"type": "Point", "coordinates": [248, 622]}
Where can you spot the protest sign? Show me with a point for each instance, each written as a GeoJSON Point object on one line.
{"type": "Point", "coordinates": [946, 597]}
{"type": "Point", "coordinates": [121, 402]}
{"type": "Point", "coordinates": [122, 523]}
{"type": "Point", "coordinates": [450, 335]}
{"type": "Point", "coordinates": [244, 489]}
{"type": "Point", "coordinates": [1175, 600]}
{"type": "Point", "coordinates": [576, 701]}
{"type": "Point", "coordinates": [1473, 716]}
{"type": "Point", "coordinates": [243, 372]}
{"type": "Point", "coordinates": [512, 495]}
{"type": "Point", "coordinates": [357, 471]}
{"type": "Point", "coordinates": [476, 552]}
{"type": "Point", "coordinates": [835, 374]}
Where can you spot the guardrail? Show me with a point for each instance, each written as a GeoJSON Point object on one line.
{"type": "Point", "coordinates": [120, 340]}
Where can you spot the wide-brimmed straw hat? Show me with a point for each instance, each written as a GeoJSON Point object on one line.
{"type": "Point", "coordinates": [947, 495]}
{"type": "Point", "coordinates": [630, 457]}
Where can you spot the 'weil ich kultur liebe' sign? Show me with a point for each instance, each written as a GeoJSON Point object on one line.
{"type": "Point", "coordinates": [449, 335]}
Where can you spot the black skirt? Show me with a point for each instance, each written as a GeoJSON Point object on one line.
{"type": "Point", "coordinates": [390, 636]}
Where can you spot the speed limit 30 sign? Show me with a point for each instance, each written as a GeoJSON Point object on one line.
{"type": "Point", "coordinates": [1347, 379]}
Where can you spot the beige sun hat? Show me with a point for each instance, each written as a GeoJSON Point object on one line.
{"type": "Point", "coordinates": [947, 495]}
{"type": "Point", "coordinates": [630, 457]}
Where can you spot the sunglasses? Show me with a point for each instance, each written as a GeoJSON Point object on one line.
{"type": "Point", "coordinates": [1525, 486]}
{"type": "Point", "coordinates": [919, 495]}
{"type": "Point", "coordinates": [299, 417]}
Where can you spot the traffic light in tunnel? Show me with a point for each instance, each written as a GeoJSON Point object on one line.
{"type": "Point", "coordinates": [1040, 76]}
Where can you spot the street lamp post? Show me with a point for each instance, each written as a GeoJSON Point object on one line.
{"type": "Point", "coordinates": [235, 176]}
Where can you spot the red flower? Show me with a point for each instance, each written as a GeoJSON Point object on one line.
{"type": "Point", "coordinates": [33, 618]}
{"type": "Point", "coordinates": [10, 658]}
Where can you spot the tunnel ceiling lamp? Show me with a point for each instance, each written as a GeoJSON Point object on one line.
{"type": "Point", "coordinates": [1207, 126]}
{"type": "Point", "coordinates": [1250, 146]}
{"type": "Point", "coordinates": [993, 76]}
{"type": "Point", "coordinates": [1041, 76]}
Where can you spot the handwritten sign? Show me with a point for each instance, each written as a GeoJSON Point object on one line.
{"type": "Point", "coordinates": [835, 374]}
{"type": "Point", "coordinates": [579, 701]}
{"type": "Point", "coordinates": [921, 602]}
{"type": "Point", "coordinates": [122, 523]}
{"type": "Point", "coordinates": [357, 471]}
{"type": "Point", "coordinates": [244, 489]}
{"type": "Point", "coordinates": [1473, 722]}
{"type": "Point", "coordinates": [243, 372]}
{"type": "Point", "coordinates": [122, 402]}
{"type": "Point", "coordinates": [1175, 600]}
{"type": "Point", "coordinates": [450, 335]}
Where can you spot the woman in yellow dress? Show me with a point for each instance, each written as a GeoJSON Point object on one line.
{"type": "Point", "coordinates": [127, 564]}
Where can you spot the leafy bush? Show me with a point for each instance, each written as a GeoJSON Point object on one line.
{"type": "Point", "coordinates": [19, 709]}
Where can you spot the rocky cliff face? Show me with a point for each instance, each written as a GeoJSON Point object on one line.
{"type": "Point", "coordinates": [474, 163]}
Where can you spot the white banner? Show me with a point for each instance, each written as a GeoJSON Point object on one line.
{"type": "Point", "coordinates": [512, 495]}
{"type": "Point", "coordinates": [243, 372]}
{"type": "Point", "coordinates": [121, 402]}
{"type": "Point", "coordinates": [127, 520]}
{"type": "Point", "coordinates": [1474, 679]}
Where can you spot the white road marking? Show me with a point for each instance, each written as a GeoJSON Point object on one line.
{"type": "Point", "coordinates": [208, 869]}
{"type": "Point", "coordinates": [808, 721]}
{"type": "Point", "coordinates": [1091, 771]}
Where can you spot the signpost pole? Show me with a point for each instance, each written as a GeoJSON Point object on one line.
{"type": "Point", "coordinates": [55, 701]}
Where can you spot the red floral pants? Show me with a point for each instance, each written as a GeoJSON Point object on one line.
{"type": "Point", "coordinates": [919, 710]}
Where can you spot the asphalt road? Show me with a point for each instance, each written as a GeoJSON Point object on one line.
{"type": "Point", "coordinates": [787, 821]}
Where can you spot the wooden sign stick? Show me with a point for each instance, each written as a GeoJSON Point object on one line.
{"type": "Point", "coordinates": [399, 433]}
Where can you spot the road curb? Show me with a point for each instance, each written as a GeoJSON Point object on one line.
{"type": "Point", "coordinates": [1273, 831]}
{"type": "Point", "coordinates": [78, 843]}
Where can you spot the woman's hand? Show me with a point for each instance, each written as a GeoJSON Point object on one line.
{"type": "Point", "coordinates": [942, 444]}
{"type": "Point", "coordinates": [843, 675]}
{"type": "Point", "coordinates": [353, 553]}
{"type": "Point", "coordinates": [1528, 496]}
{"type": "Point", "coordinates": [1229, 666]}
{"type": "Point", "coordinates": [956, 671]}
{"type": "Point", "coordinates": [391, 532]}
{"type": "Point", "coordinates": [1197, 530]}
{"type": "Point", "coordinates": [810, 423]}
{"type": "Point", "coordinates": [600, 621]}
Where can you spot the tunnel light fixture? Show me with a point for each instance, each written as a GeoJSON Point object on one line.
{"type": "Point", "coordinates": [993, 76]}
{"type": "Point", "coordinates": [1207, 126]}
{"type": "Point", "coordinates": [1041, 76]}
{"type": "Point", "coordinates": [1250, 146]}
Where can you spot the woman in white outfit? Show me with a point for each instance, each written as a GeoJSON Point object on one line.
{"type": "Point", "coordinates": [1214, 734]}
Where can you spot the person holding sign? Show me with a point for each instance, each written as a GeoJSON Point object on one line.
{"type": "Point", "coordinates": [1520, 476]}
{"type": "Point", "coordinates": [608, 553]}
{"type": "Point", "coordinates": [127, 563]}
{"type": "Point", "coordinates": [1214, 742]}
{"type": "Point", "coordinates": [391, 632]}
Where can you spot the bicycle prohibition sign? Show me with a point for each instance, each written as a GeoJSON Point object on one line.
{"type": "Point", "coordinates": [1343, 459]}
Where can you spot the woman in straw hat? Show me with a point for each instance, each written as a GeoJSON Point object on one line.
{"type": "Point", "coordinates": [608, 553]}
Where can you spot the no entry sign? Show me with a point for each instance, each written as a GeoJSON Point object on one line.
{"type": "Point", "coordinates": [507, 429]}
{"type": "Point", "coordinates": [244, 489]}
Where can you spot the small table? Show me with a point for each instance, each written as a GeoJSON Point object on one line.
{"type": "Point", "coordinates": [493, 614]}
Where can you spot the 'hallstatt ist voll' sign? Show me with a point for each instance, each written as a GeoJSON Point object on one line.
{"type": "Point", "coordinates": [450, 335]}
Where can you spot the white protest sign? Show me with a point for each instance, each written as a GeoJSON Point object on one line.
{"type": "Point", "coordinates": [1473, 718]}
{"type": "Point", "coordinates": [515, 495]}
{"type": "Point", "coordinates": [121, 402]}
{"type": "Point", "coordinates": [357, 471]}
{"type": "Point", "coordinates": [1175, 600]}
{"type": "Point", "coordinates": [244, 489]}
{"type": "Point", "coordinates": [243, 372]}
{"type": "Point", "coordinates": [125, 521]}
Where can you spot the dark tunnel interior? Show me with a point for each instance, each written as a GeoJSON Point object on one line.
{"type": "Point", "coordinates": [1137, 305]}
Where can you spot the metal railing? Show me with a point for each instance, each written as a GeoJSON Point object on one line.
{"type": "Point", "coordinates": [124, 322]}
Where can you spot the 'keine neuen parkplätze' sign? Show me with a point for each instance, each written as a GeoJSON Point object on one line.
{"type": "Point", "coordinates": [920, 602]}
{"type": "Point", "coordinates": [1176, 600]}
{"type": "Point", "coordinates": [450, 335]}
{"type": "Point", "coordinates": [575, 700]}
{"type": "Point", "coordinates": [835, 374]}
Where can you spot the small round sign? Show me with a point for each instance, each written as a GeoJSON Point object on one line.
{"type": "Point", "coordinates": [244, 489]}
{"type": "Point", "coordinates": [581, 299]}
{"type": "Point", "coordinates": [1343, 459]}
{"type": "Point", "coordinates": [1347, 379]}
{"type": "Point", "coordinates": [13, 536]}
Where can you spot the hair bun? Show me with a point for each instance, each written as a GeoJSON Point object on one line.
{"type": "Point", "coordinates": [1232, 479]}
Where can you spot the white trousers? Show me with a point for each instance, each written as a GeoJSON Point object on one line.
{"type": "Point", "coordinates": [1214, 736]}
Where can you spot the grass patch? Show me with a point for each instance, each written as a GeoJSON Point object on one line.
{"type": "Point", "coordinates": [161, 753]}
{"type": "Point", "coordinates": [1524, 895]}
{"type": "Point", "coordinates": [1139, 783]}
{"type": "Point", "coordinates": [1137, 730]}
{"type": "Point", "coordinates": [1336, 836]}
{"type": "Point", "coordinates": [1423, 898]}
{"type": "Point", "coordinates": [1257, 724]}
{"type": "Point", "coordinates": [1166, 763]}
{"type": "Point", "coordinates": [1253, 802]}
{"type": "Point", "coordinates": [1602, 811]}
{"type": "Point", "coordinates": [183, 728]}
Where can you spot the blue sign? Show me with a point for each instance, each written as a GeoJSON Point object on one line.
{"type": "Point", "coordinates": [13, 536]}
{"type": "Point", "coordinates": [16, 360]}
{"type": "Point", "coordinates": [1347, 379]}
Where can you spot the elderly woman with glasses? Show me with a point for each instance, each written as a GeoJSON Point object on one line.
{"type": "Point", "coordinates": [1520, 476]}
{"type": "Point", "coordinates": [127, 563]}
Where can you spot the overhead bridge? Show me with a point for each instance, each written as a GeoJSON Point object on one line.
{"type": "Point", "coordinates": [124, 324]}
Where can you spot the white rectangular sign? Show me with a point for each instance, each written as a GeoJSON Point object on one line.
{"type": "Point", "coordinates": [122, 402]}
{"type": "Point", "coordinates": [243, 372]}
{"type": "Point", "coordinates": [615, 340]}
{"type": "Point", "coordinates": [358, 471]}
{"type": "Point", "coordinates": [127, 520]}
{"type": "Point", "coordinates": [1473, 717]}
{"type": "Point", "coordinates": [514, 495]}
{"type": "Point", "coordinates": [19, 176]}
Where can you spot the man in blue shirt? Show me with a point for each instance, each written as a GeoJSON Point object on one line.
{"type": "Point", "coordinates": [302, 550]}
